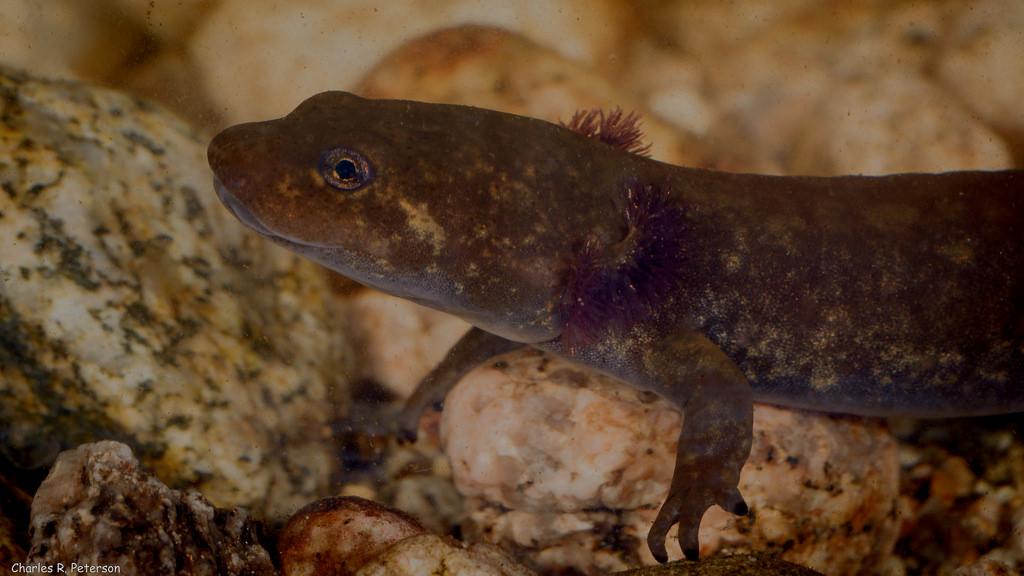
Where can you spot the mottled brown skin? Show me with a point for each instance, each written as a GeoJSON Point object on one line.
{"type": "Point", "coordinates": [866, 295]}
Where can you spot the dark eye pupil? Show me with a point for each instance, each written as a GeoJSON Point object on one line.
{"type": "Point", "coordinates": [346, 169]}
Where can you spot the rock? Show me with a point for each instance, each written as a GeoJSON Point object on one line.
{"type": "Point", "coordinates": [326, 45]}
{"type": "Point", "coordinates": [706, 27]}
{"type": "Point", "coordinates": [985, 567]}
{"type": "Point", "coordinates": [64, 38]}
{"type": "Point", "coordinates": [97, 508]}
{"type": "Point", "coordinates": [171, 22]}
{"type": "Point", "coordinates": [11, 550]}
{"type": "Point", "coordinates": [850, 74]}
{"type": "Point", "coordinates": [352, 536]}
{"type": "Point", "coordinates": [492, 68]}
{"type": "Point", "coordinates": [337, 536]}
{"type": "Point", "coordinates": [983, 63]}
{"type": "Point", "coordinates": [400, 341]}
{"type": "Point", "coordinates": [572, 466]}
{"type": "Point", "coordinates": [963, 505]}
{"type": "Point", "coordinates": [430, 554]}
{"type": "Point", "coordinates": [418, 480]}
{"type": "Point", "coordinates": [134, 307]}
{"type": "Point", "coordinates": [894, 123]}
{"type": "Point", "coordinates": [736, 565]}
{"type": "Point", "coordinates": [14, 513]}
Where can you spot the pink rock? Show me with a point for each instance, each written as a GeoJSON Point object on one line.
{"type": "Point", "coordinates": [571, 466]}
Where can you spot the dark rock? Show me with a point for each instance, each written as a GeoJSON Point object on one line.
{"type": "Point", "coordinates": [97, 508]}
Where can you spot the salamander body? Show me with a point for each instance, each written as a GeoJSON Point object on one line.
{"type": "Point", "coordinates": [872, 295]}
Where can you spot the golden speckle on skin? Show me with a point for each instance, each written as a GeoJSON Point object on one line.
{"type": "Point", "coordinates": [316, 178]}
{"type": "Point", "coordinates": [422, 224]}
{"type": "Point", "coordinates": [822, 379]}
{"type": "Point", "coordinates": [285, 188]}
{"type": "Point", "coordinates": [733, 262]}
{"type": "Point", "coordinates": [959, 252]}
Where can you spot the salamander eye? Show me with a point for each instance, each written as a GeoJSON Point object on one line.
{"type": "Point", "coordinates": [345, 169]}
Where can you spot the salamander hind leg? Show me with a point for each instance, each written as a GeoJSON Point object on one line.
{"type": "Point", "coordinates": [714, 443]}
{"type": "Point", "coordinates": [473, 349]}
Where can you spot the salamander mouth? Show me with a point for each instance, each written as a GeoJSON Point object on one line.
{"type": "Point", "coordinates": [245, 216]}
{"type": "Point", "coordinates": [238, 209]}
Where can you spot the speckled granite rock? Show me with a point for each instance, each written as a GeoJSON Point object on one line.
{"type": "Point", "coordinates": [97, 508]}
{"type": "Point", "coordinates": [430, 554]}
{"type": "Point", "coordinates": [134, 307]}
{"type": "Point", "coordinates": [321, 45]}
{"type": "Point", "coordinates": [572, 467]}
{"type": "Point", "coordinates": [338, 536]}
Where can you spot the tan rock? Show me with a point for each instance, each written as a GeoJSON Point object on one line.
{"type": "Point", "coordinates": [492, 68]}
{"type": "Point", "coordinates": [983, 63]}
{"type": "Point", "coordinates": [400, 341]}
{"type": "Point", "coordinates": [573, 466]}
{"type": "Point", "coordinates": [831, 87]}
{"type": "Point", "coordinates": [171, 22]}
{"type": "Point", "coordinates": [302, 49]}
{"type": "Point", "coordinates": [64, 38]}
{"type": "Point", "coordinates": [430, 554]}
{"type": "Point", "coordinates": [705, 27]}
{"type": "Point", "coordinates": [894, 123]}
{"type": "Point", "coordinates": [338, 536]}
{"type": "Point", "coordinates": [136, 307]}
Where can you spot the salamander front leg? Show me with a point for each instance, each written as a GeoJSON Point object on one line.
{"type": "Point", "coordinates": [473, 349]}
{"type": "Point", "coordinates": [713, 446]}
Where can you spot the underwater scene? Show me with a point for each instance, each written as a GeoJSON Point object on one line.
{"type": "Point", "coordinates": [512, 288]}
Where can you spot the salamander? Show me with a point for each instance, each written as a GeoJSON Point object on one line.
{"type": "Point", "coordinates": [870, 295]}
